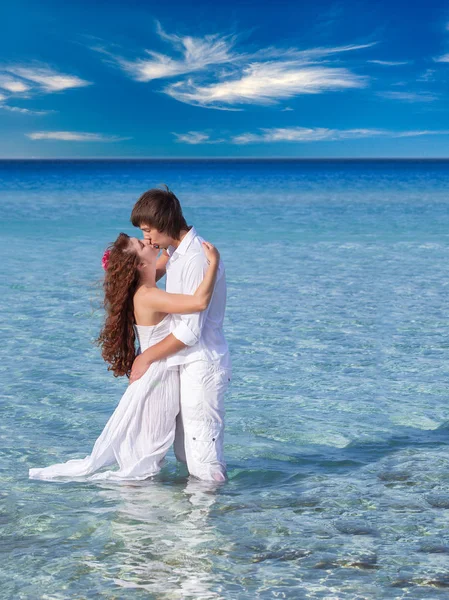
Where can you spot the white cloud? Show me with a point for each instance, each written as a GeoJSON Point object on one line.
{"type": "Point", "coordinates": [428, 75]}
{"type": "Point", "coordinates": [304, 56]}
{"type": "Point", "coordinates": [389, 63]}
{"type": "Point", "coordinates": [25, 111]}
{"type": "Point", "coordinates": [304, 134]}
{"type": "Point", "coordinates": [73, 136]}
{"type": "Point", "coordinates": [196, 54]}
{"type": "Point", "coordinates": [266, 83]}
{"type": "Point", "coordinates": [220, 77]}
{"type": "Point", "coordinates": [409, 96]}
{"type": "Point", "coordinates": [443, 59]}
{"type": "Point", "coordinates": [13, 85]}
{"type": "Point", "coordinates": [192, 137]}
{"type": "Point", "coordinates": [196, 137]}
{"type": "Point", "coordinates": [25, 81]}
{"type": "Point", "coordinates": [48, 79]}
{"type": "Point", "coordinates": [421, 132]}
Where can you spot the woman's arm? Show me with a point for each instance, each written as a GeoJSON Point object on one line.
{"type": "Point", "coordinates": [184, 303]}
{"type": "Point", "coordinates": [161, 264]}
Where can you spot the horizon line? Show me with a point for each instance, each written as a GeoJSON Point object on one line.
{"type": "Point", "coordinates": [228, 158]}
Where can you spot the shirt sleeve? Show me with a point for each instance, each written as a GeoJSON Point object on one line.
{"type": "Point", "coordinates": [189, 328]}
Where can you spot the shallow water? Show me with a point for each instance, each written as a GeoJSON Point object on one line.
{"type": "Point", "coordinates": [337, 424]}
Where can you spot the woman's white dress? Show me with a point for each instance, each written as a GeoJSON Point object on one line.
{"type": "Point", "coordinates": [140, 431]}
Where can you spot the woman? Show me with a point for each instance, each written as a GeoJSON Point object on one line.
{"type": "Point", "coordinates": [142, 427]}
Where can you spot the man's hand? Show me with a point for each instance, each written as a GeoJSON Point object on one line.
{"type": "Point", "coordinates": [166, 347]}
{"type": "Point", "coordinates": [140, 366]}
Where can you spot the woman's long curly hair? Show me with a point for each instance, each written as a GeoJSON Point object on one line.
{"type": "Point", "coordinates": [117, 338]}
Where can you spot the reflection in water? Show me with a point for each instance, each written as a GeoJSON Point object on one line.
{"type": "Point", "coordinates": [162, 538]}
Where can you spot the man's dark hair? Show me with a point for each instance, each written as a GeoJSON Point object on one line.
{"type": "Point", "coordinates": [161, 210]}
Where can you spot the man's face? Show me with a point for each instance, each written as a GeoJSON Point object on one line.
{"type": "Point", "coordinates": [156, 238]}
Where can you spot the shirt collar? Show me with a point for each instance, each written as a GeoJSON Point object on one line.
{"type": "Point", "coordinates": [184, 245]}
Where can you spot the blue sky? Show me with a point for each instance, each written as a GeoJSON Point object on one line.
{"type": "Point", "coordinates": [249, 78]}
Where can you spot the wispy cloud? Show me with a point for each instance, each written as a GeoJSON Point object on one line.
{"type": "Point", "coordinates": [428, 75]}
{"type": "Point", "coordinates": [302, 134]}
{"type": "Point", "coordinates": [192, 137]}
{"type": "Point", "coordinates": [266, 83]}
{"type": "Point", "coordinates": [421, 132]}
{"type": "Point", "coordinates": [304, 56]}
{"type": "Point", "coordinates": [25, 111]}
{"type": "Point", "coordinates": [443, 59]}
{"type": "Point", "coordinates": [194, 54]}
{"type": "Point", "coordinates": [409, 96]}
{"type": "Point", "coordinates": [389, 63]}
{"type": "Point", "coordinates": [307, 134]}
{"type": "Point", "coordinates": [212, 73]}
{"type": "Point", "coordinates": [197, 137]}
{"type": "Point", "coordinates": [47, 79]}
{"type": "Point", "coordinates": [24, 82]}
{"type": "Point", "coordinates": [12, 84]}
{"type": "Point", "coordinates": [74, 136]}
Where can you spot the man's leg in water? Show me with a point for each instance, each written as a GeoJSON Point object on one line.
{"type": "Point", "coordinates": [203, 387]}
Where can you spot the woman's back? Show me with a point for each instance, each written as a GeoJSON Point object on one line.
{"type": "Point", "coordinates": [144, 313]}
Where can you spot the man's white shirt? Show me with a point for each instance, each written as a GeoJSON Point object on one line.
{"type": "Point", "coordinates": [202, 332]}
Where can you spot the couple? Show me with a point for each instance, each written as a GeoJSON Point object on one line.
{"type": "Point", "coordinates": [179, 379]}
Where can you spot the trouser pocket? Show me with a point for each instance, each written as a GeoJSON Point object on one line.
{"type": "Point", "coordinates": [204, 442]}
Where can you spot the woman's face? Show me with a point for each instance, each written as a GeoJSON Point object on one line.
{"type": "Point", "coordinates": [145, 251]}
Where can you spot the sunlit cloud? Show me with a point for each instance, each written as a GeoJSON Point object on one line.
{"type": "Point", "coordinates": [211, 72]}
{"type": "Point", "coordinates": [266, 83]}
{"type": "Point", "coordinates": [24, 82]}
{"type": "Point", "coordinates": [304, 134]}
{"type": "Point", "coordinates": [444, 58]}
{"type": "Point", "coordinates": [308, 56]}
{"type": "Point", "coordinates": [409, 96]}
{"type": "Point", "coordinates": [13, 85]}
{"type": "Point", "coordinates": [194, 54]}
{"type": "Point", "coordinates": [428, 75]}
{"type": "Point", "coordinates": [48, 79]}
{"type": "Point", "coordinates": [74, 136]}
{"type": "Point", "coordinates": [196, 137]}
{"type": "Point", "coordinates": [25, 111]}
{"type": "Point", "coordinates": [390, 63]}
{"type": "Point", "coordinates": [421, 132]}
{"type": "Point", "coordinates": [192, 137]}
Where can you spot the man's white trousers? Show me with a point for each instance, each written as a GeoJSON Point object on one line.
{"type": "Point", "coordinates": [200, 422]}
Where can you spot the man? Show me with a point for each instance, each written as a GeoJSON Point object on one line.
{"type": "Point", "coordinates": [196, 345]}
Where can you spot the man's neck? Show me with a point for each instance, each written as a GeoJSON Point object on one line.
{"type": "Point", "coordinates": [182, 235]}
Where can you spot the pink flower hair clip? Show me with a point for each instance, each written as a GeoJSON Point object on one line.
{"type": "Point", "coordinates": [105, 259]}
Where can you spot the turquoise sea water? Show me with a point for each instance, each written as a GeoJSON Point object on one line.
{"type": "Point", "coordinates": [337, 420]}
